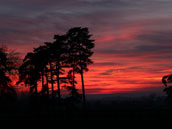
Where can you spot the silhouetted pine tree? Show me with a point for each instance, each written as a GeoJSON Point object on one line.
{"type": "Point", "coordinates": [29, 72]}
{"type": "Point", "coordinates": [59, 50]}
{"type": "Point", "coordinates": [56, 55]}
{"type": "Point", "coordinates": [42, 57]}
{"type": "Point", "coordinates": [80, 51]}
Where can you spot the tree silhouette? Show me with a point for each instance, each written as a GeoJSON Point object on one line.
{"type": "Point", "coordinates": [8, 67]}
{"type": "Point", "coordinates": [43, 61]}
{"type": "Point", "coordinates": [80, 51]}
{"type": "Point", "coordinates": [71, 87]}
{"type": "Point", "coordinates": [47, 63]}
{"type": "Point", "coordinates": [168, 89]}
{"type": "Point", "coordinates": [164, 81]}
{"type": "Point", "coordinates": [58, 55]}
{"type": "Point", "coordinates": [29, 72]}
{"type": "Point", "coordinates": [50, 65]}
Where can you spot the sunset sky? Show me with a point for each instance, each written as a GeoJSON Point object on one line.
{"type": "Point", "coordinates": [133, 38]}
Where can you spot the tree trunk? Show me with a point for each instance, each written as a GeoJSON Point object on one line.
{"type": "Point", "coordinates": [52, 82]}
{"type": "Point", "coordinates": [43, 86]}
{"type": "Point", "coordinates": [47, 88]}
{"type": "Point", "coordinates": [73, 88]}
{"type": "Point", "coordinates": [58, 82]}
{"type": "Point", "coordinates": [83, 87]}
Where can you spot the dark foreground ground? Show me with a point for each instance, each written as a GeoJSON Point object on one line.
{"type": "Point", "coordinates": [142, 113]}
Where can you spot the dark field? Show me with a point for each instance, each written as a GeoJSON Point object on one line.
{"type": "Point", "coordinates": [147, 112]}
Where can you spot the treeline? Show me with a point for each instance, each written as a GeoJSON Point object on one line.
{"type": "Point", "coordinates": [49, 61]}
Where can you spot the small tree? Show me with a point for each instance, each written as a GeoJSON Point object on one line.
{"type": "Point", "coordinates": [8, 67]}
{"type": "Point", "coordinates": [168, 89]}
